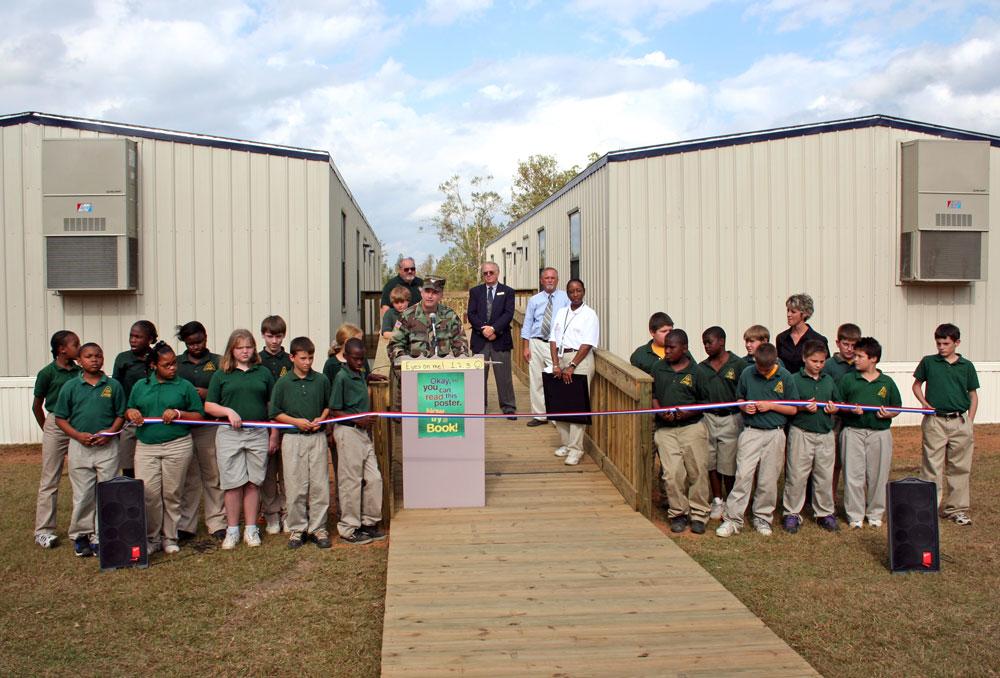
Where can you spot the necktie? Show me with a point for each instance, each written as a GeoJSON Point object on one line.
{"type": "Point", "coordinates": [547, 320]}
{"type": "Point", "coordinates": [489, 302]}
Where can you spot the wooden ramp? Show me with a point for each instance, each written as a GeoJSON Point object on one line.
{"type": "Point", "coordinates": [557, 576]}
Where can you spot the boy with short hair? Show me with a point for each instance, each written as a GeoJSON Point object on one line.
{"type": "Point", "coordinates": [840, 364]}
{"type": "Point", "coordinates": [399, 300]}
{"type": "Point", "coordinates": [649, 354]}
{"type": "Point", "coordinates": [681, 438]}
{"type": "Point", "coordinates": [719, 374]}
{"type": "Point", "coordinates": [89, 404]}
{"type": "Point", "coordinates": [300, 398]}
{"type": "Point", "coordinates": [754, 336]}
{"type": "Point", "coordinates": [866, 440]}
{"type": "Point", "coordinates": [761, 446]}
{"type": "Point", "coordinates": [811, 449]}
{"type": "Point", "coordinates": [274, 358]}
{"type": "Point", "coordinates": [359, 483]}
{"type": "Point", "coordinates": [951, 385]}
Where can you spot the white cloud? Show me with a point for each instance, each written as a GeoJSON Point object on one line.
{"type": "Point", "coordinates": [656, 59]}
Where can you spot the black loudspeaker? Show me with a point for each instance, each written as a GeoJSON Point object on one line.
{"type": "Point", "coordinates": [913, 526]}
{"type": "Point", "coordinates": [121, 523]}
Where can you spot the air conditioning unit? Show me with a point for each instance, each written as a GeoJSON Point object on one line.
{"type": "Point", "coordinates": [945, 211]}
{"type": "Point", "coordinates": [89, 214]}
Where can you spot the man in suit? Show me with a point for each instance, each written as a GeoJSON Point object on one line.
{"type": "Point", "coordinates": [491, 310]}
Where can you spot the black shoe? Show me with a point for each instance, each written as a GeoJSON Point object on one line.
{"type": "Point", "coordinates": [358, 537]}
{"type": "Point", "coordinates": [128, 472]}
{"type": "Point", "coordinates": [295, 541]}
{"type": "Point", "coordinates": [81, 546]}
{"type": "Point", "coordinates": [219, 534]}
{"type": "Point", "coordinates": [511, 418]}
{"type": "Point", "coordinates": [373, 532]}
{"type": "Point", "coordinates": [537, 422]}
{"type": "Point", "coordinates": [184, 535]}
{"type": "Point", "coordinates": [679, 524]}
{"type": "Point", "coordinates": [697, 527]}
{"type": "Point", "coordinates": [322, 540]}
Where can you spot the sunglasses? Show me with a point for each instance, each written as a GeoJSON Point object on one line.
{"type": "Point", "coordinates": [489, 272]}
{"type": "Point", "coordinates": [410, 270]}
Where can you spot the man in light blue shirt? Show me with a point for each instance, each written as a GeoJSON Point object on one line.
{"type": "Point", "coordinates": [535, 332]}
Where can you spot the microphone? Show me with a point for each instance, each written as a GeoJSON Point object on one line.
{"type": "Point", "coordinates": [433, 318]}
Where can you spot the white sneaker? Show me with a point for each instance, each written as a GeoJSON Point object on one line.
{"type": "Point", "coordinates": [573, 458]}
{"type": "Point", "coordinates": [284, 528]}
{"type": "Point", "coordinates": [251, 536]}
{"type": "Point", "coordinates": [47, 541]}
{"type": "Point", "coordinates": [875, 523]}
{"type": "Point", "coordinates": [763, 527]}
{"type": "Point", "coordinates": [727, 529]}
{"type": "Point", "coordinates": [273, 526]}
{"type": "Point", "coordinates": [171, 549]}
{"type": "Point", "coordinates": [718, 508]}
{"type": "Point", "coordinates": [562, 451]}
{"type": "Point", "coordinates": [231, 540]}
{"type": "Point", "coordinates": [856, 525]}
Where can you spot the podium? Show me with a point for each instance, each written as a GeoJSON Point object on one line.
{"type": "Point", "coordinates": [444, 459]}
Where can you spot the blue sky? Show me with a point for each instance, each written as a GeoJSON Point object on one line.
{"type": "Point", "coordinates": [405, 94]}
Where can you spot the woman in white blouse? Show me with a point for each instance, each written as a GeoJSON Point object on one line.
{"type": "Point", "coordinates": [575, 333]}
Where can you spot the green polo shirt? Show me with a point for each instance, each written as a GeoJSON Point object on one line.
{"type": "Point", "coordinates": [278, 364]}
{"type": "Point", "coordinates": [837, 367]}
{"type": "Point", "coordinates": [948, 384]}
{"type": "Point", "coordinates": [644, 358]}
{"type": "Point", "coordinates": [823, 390]}
{"type": "Point", "coordinates": [677, 387]}
{"type": "Point", "coordinates": [720, 387]}
{"type": "Point", "coordinates": [300, 397]}
{"type": "Point", "coordinates": [198, 371]}
{"type": "Point", "coordinates": [128, 370]}
{"type": "Point", "coordinates": [50, 381]}
{"type": "Point", "coordinates": [153, 397]}
{"type": "Point", "coordinates": [349, 392]}
{"type": "Point", "coordinates": [753, 386]}
{"type": "Point", "coordinates": [882, 392]}
{"type": "Point", "coordinates": [246, 392]}
{"type": "Point", "coordinates": [90, 409]}
{"type": "Point", "coordinates": [333, 365]}
{"type": "Point", "coordinates": [390, 319]}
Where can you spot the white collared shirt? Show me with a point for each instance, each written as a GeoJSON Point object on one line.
{"type": "Point", "coordinates": [572, 329]}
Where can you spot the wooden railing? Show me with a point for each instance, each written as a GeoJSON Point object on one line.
{"type": "Point", "coordinates": [378, 392]}
{"type": "Point", "coordinates": [622, 445]}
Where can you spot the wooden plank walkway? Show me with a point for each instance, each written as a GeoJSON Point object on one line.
{"type": "Point", "coordinates": [557, 576]}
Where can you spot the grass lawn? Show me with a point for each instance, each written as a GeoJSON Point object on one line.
{"type": "Point", "coordinates": [833, 599]}
{"type": "Point", "coordinates": [201, 612]}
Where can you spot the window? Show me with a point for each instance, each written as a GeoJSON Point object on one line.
{"type": "Point", "coordinates": [357, 268]}
{"type": "Point", "coordinates": [541, 250]}
{"type": "Point", "coordinates": [343, 261]}
{"type": "Point", "coordinates": [574, 244]}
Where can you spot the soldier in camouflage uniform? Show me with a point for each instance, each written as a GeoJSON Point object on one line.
{"type": "Point", "coordinates": [412, 336]}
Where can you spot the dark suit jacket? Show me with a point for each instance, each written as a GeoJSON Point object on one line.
{"type": "Point", "coordinates": [500, 318]}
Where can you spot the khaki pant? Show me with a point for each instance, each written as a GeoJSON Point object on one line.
{"type": "Point", "coordinates": [723, 436]}
{"type": "Point", "coordinates": [947, 460]}
{"type": "Point", "coordinates": [87, 467]}
{"type": "Point", "coordinates": [272, 491]}
{"type": "Point", "coordinates": [307, 481]}
{"type": "Point", "coordinates": [202, 483]}
{"type": "Point", "coordinates": [572, 434]}
{"type": "Point", "coordinates": [761, 451]}
{"type": "Point", "coordinates": [867, 458]}
{"type": "Point", "coordinates": [809, 453]}
{"type": "Point", "coordinates": [55, 444]}
{"type": "Point", "coordinates": [162, 469]}
{"type": "Point", "coordinates": [683, 454]}
{"type": "Point", "coordinates": [356, 463]}
{"type": "Point", "coordinates": [126, 448]}
{"type": "Point", "coordinates": [541, 358]}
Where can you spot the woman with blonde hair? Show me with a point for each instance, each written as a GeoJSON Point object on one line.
{"type": "Point", "coordinates": [798, 309]}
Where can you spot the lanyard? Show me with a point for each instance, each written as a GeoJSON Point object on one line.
{"type": "Point", "coordinates": [570, 317]}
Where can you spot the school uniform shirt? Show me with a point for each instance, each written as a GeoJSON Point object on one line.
{"type": "Point", "coordinates": [152, 397]}
{"type": "Point", "coordinates": [90, 409]}
{"type": "Point", "coordinates": [390, 321]}
{"type": "Point", "coordinates": [50, 380]}
{"type": "Point", "coordinates": [720, 387]}
{"type": "Point", "coordinates": [278, 364]}
{"type": "Point", "coordinates": [334, 365]}
{"type": "Point", "coordinates": [755, 386]}
{"type": "Point", "coordinates": [534, 313]}
{"type": "Point", "coordinates": [948, 384]}
{"type": "Point", "coordinates": [129, 369]}
{"type": "Point", "coordinates": [645, 357]}
{"type": "Point", "coordinates": [837, 367]}
{"type": "Point", "coordinates": [245, 392]}
{"type": "Point", "coordinates": [198, 371]}
{"type": "Point", "coordinates": [677, 387]}
{"type": "Point", "coordinates": [823, 390]}
{"type": "Point", "coordinates": [349, 392]}
{"type": "Point", "coordinates": [881, 392]}
{"type": "Point", "coordinates": [572, 329]}
{"type": "Point", "coordinates": [300, 397]}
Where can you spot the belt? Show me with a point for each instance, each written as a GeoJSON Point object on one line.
{"type": "Point", "coordinates": [678, 424]}
{"type": "Point", "coordinates": [949, 415]}
{"type": "Point", "coordinates": [569, 350]}
{"type": "Point", "coordinates": [725, 413]}
{"type": "Point", "coordinates": [541, 339]}
{"type": "Point", "coordinates": [765, 428]}
{"type": "Point", "coordinates": [351, 423]}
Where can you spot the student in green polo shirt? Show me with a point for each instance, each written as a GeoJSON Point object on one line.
{"type": "Point", "coordinates": [197, 364]}
{"type": "Point", "coordinates": [681, 437]}
{"type": "Point", "coordinates": [300, 398]}
{"type": "Point", "coordinates": [130, 367]}
{"type": "Point", "coordinates": [274, 358]}
{"type": "Point", "coordinates": [866, 440]}
{"type": "Point", "coordinates": [811, 449]}
{"type": "Point", "coordinates": [646, 356]}
{"type": "Point", "coordinates": [359, 483]}
{"type": "Point", "coordinates": [89, 405]}
{"type": "Point", "coordinates": [240, 391]}
{"type": "Point", "coordinates": [164, 451]}
{"type": "Point", "coordinates": [65, 346]}
{"type": "Point", "coordinates": [839, 364]}
{"type": "Point", "coordinates": [761, 447]}
{"type": "Point", "coordinates": [951, 384]}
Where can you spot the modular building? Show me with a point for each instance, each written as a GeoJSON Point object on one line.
{"type": "Point", "coordinates": [885, 222]}
{"type": "Point", "coordinates": [105, 224]}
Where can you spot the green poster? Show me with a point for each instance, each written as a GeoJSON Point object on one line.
{"type": "Point", "coordinates": [440, 393]}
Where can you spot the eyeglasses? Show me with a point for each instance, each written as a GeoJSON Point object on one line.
{"type": "Point", "coordinates": [489, 272]}
{"type": "Point", "coordinates": [409, 270]}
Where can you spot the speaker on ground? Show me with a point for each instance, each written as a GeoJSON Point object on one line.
{"type": "Point", "coordinates": [913, 526]}
{"type": "Point", "coordinates": [121, 523]}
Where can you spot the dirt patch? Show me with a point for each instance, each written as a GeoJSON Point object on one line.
{"type": "Point", "coordinates": [20, 454]}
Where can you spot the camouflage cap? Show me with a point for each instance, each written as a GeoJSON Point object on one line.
{"type": "Point", "coordinates": [433, 282]}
